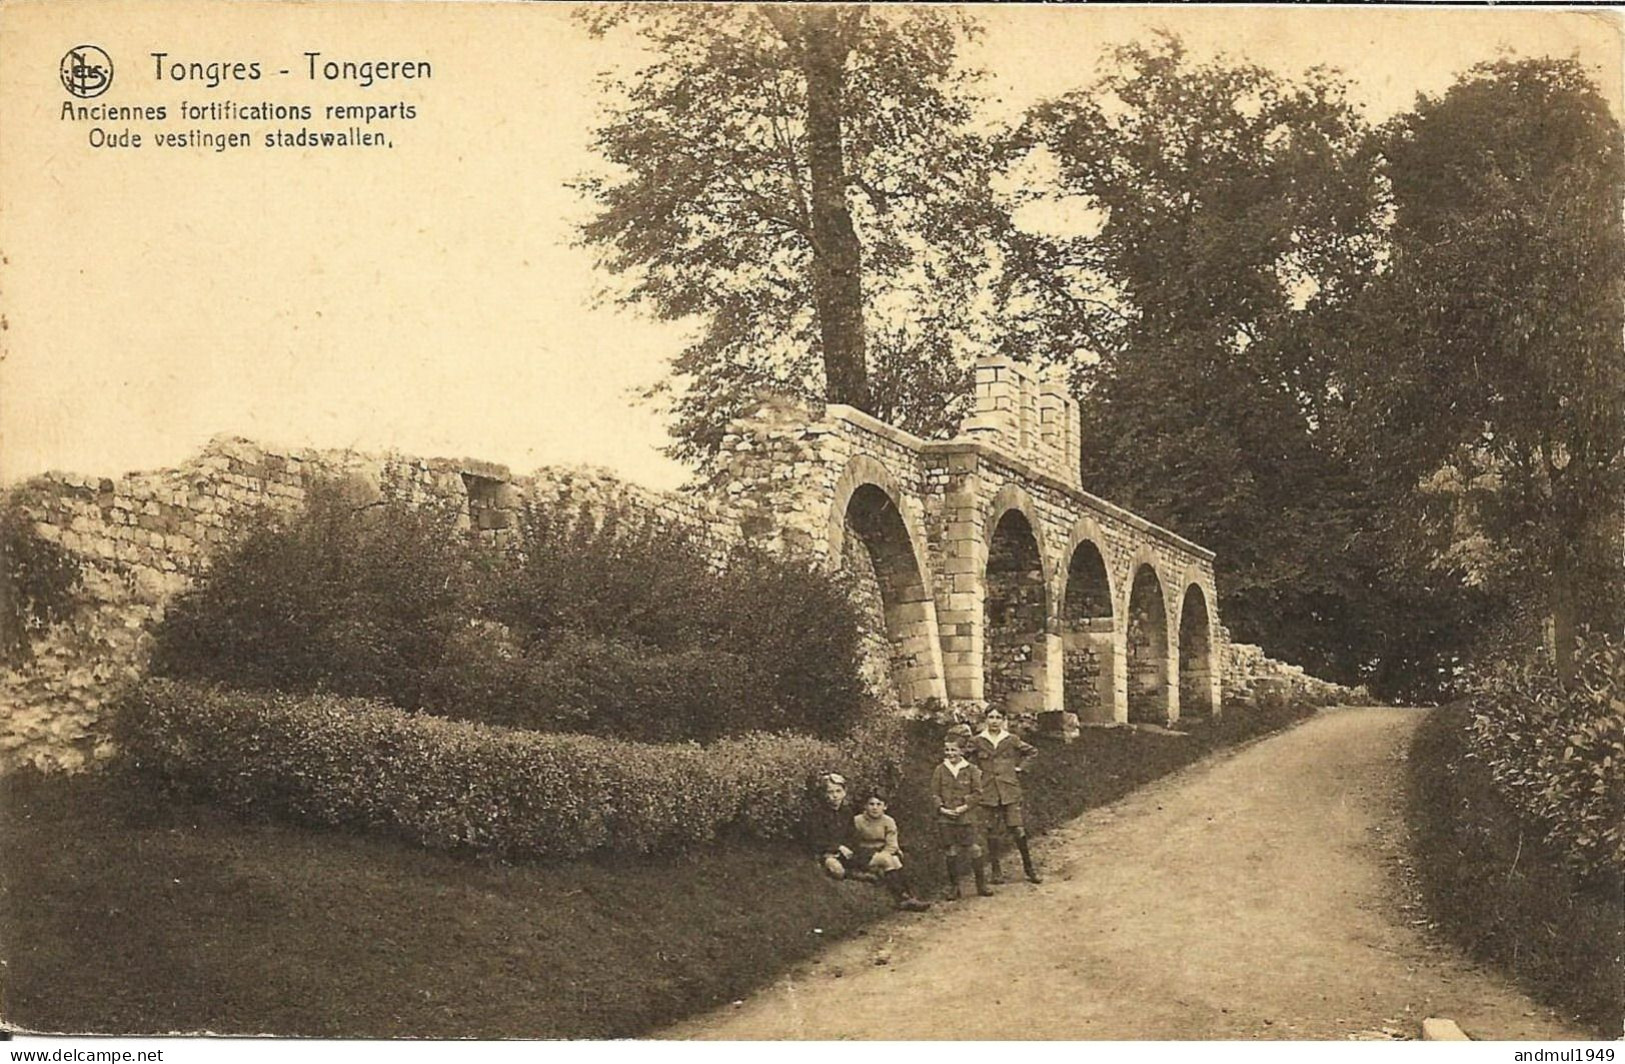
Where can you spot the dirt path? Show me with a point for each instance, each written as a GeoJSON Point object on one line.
{"type": "Point", "coordinates": [1256, 895]}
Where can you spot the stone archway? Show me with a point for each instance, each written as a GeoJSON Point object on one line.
{"type": "Point", "coordinates": [1196, 661]}
{"type": "Point", "coordinates": [1015, 650]}
{"type": "Point", "coordinates": [1147, 651]}
{"type": "Point", "coordinates": [1088, 661]}
{"type": "Point", "coordinates": [873, 543]}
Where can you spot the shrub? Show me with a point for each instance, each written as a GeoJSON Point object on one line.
{"type": "Point", "coordinates": [633, 629]}
{"type": "Point", "coordinates": [325, 760]}
{"type": "Point", "coordinates": [350, 596]}
{"type": "Point", "coordinates": [38, 581]}
{"type": "Point", "coordinates": [607, 624]}
{"type": "Point", "coordinates": [605, 687]}
{"type": "Point", "coordinates": [1558, 754]}
{"type": "Point", "coordinates": [1495, 886]}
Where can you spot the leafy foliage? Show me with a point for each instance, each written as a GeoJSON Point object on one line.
{"type": "Point", "coordinates": [447, 784]}
{"type": "Point", "coordinates": [38, 579]}
{"type": "Point", "coordinates": [626, 627]}
{"type": "Point", "coordinates": [728, 199]}
{"type": "Point", "coordinates": [352, 596]}
{"type": "Point", "coordinates": [1222, 219]}
{"type": "Point", "coordinates": [607, 623]}
{"type": "Point", "coordinates": [1490, 388]}
{"type": "Point", "coordinates": [1495, 886]}
{"type": "Point", "coordinates": [1556, 752]}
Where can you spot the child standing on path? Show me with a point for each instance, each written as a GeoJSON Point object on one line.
{"type": "Point", "coordinates": [956, 785]}
{"type": "Point", "coordinates": [1000, 754]}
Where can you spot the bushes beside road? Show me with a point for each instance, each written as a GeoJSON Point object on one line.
{"type": "Point", "coordinates": [1518, 820]}
{"type": "Point", "coordinates": [1556, 754]}
{"type": "Point", "coordinates": [1505, 887]}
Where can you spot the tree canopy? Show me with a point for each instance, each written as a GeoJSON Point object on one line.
{"type": "Point", "coordinates": [1378, 371]}
{"type": "Point", "coordinates": [1235, 214]}
{"type": "Point", "coordinates": [1490, 389]}
{"type": "Point", "coordinates": [804, 183]}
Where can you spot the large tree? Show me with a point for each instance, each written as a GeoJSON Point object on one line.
{"type": "Point", "coordinates": [1493, 368]}
{"type": "Point", "coordinates": [1215, 222]}
{"type": "Point", "coordinates": [804, 182]}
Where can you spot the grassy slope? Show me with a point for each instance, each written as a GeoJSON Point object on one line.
{"type": "Point", "coordinates": [118, 915]}
{"type": "Point", "coordinates": [1502, 894]}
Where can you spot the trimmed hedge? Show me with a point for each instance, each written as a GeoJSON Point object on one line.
{"type": "Point", "coordinates": [455, 785]}
{"type": "Point", "coordinates": [1558, 754]}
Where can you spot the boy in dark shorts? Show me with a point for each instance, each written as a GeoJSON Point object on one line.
{"type": "Point", "coordinates": [956, 786]}
{"type": "Point", "coordinates": [1000, 755]}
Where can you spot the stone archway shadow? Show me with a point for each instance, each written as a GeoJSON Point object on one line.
{"type": "Point", "coordinates": [871, 537]}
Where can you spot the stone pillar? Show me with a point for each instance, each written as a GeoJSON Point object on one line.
{"type": "Point", "coordinates": [960, 593]}
{"type": "Point", "coordinates": [1215, 682]}
{"type": "Point", "coordinates": [1172, 677]}
{"type": "Point", "coordinates": [1060, 421]}
{"type": "Point", "coordinates": [1028, 442]}
{"type": "Point", "coordinates": [1052, 679]}
{"type": "Point", "coordinates": [1119, 669]}
{"type": "Point", "coordinates": [1218, 657]}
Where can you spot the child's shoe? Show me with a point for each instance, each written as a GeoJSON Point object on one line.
{"type": "Point", "coordinates": [1027, 862]}
{"type": "Point", "coordinates": [981, 880]}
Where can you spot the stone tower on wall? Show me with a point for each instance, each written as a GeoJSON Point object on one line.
{"type": "Point", "coordinates": [1027, 413]}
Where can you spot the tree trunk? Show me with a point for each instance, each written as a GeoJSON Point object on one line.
{"type": "Point", "coordinates": [837, 257]}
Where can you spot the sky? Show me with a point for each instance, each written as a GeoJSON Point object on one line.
{"type": "Point", "coordinates": [431, 297]}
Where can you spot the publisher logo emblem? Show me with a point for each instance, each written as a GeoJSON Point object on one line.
{"type": "Point", "coordinates": [86, 71]}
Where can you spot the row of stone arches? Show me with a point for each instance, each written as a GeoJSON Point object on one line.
{"type": "Point", "coordinates": [1040, 643]}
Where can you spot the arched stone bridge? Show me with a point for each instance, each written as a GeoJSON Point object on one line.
{"type": "Point", "coordinates": [999, 580]}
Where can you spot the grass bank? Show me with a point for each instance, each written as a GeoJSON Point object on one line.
{"type": "Point", "coordinates": [122, 914]}
{"type": "Point", "coordinates": [1493, 886]}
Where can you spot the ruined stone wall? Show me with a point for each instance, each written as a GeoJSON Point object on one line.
{"type": "Point", "coordinates": [914, 520]}
{"type": "Point", "coordinates": [142, 538]}
{"type": "Point", "coordinates": [595, 491]}
{"type": "Point", "coordinates": [1250, 674]}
